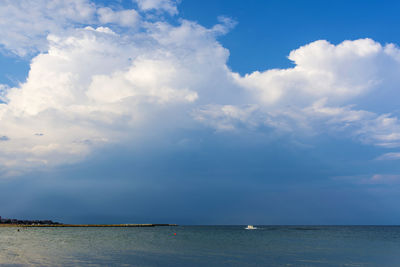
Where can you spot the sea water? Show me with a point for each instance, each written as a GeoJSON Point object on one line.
{"type": "Point", "coordinates": [202, 246]}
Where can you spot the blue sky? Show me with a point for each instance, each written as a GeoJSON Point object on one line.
{"type": "Point", "coordinates": [200, 112]}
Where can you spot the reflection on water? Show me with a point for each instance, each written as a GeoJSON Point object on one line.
{"type": "Point", "coordinates": [202, 246]}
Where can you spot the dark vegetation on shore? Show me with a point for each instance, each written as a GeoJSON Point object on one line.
{"type": "Point", "coordinates": [49, 223]}
{"type": "Point", "coordinates": [27, 222]}
{"type": "Point", "coordinates": [85, 225]}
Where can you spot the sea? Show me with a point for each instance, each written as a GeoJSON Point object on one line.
{"type": "Point", "coordinates": [202, 246]}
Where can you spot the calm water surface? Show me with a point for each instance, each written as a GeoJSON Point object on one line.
{"type": "Point", "coordinates": [202, 246]}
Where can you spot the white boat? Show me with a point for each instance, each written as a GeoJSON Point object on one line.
{"type": "Point", "coordinates": [250, 227]}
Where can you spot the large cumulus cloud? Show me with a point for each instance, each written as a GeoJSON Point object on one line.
{"type": "Point", "coordinates": [95, 84]}
{"type": "Point", "coordinates": [348, 88]}
{"type": "Point", "coordinates": [94, 87]}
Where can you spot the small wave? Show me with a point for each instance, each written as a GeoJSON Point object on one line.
{"type": "Point", "coordinates": [305, 229]}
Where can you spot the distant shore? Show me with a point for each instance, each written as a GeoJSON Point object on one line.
{"type": "Point", "coordinates": [84, 225]}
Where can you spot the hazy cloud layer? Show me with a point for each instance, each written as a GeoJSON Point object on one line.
{"type": "Point", "coordinates": [389, 156]}
{"type": "Point", "coordinates": [169, 6]}
{"type": "Point", "coordinates": [25, 24]}
{"type": "Point", "coordinates": [93, 85]}
{"type": "Point", "coordinates": [374, 180]}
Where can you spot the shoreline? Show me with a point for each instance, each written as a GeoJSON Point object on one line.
{"type": "Point", "coordinates": [85, 225]}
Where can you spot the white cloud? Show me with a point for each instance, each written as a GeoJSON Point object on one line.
{"type": "Point", "coordinates": [95, 85]}
{"type": "Point", "coordinates": [25, 24]}
{"type": "Point", "coordinates": [322, 70]}
{"type": "Point", "coordinates": [324, 87]}
{"type": "Point", "coordinates": [124, 17]}
{"type": "Point", "coordinates": [225, 25]}
{"type": "Point", "coordinates": [228, 117]}
{"type": "Point", "coordinates": [318, 118]}
{"type": "Point", "coordinates": [169, 6]}
{"type": "Point", "coordinates": [3, 92]}
{"type": "Point", "coordinates": [389, 156]}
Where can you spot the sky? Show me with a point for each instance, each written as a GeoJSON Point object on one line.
{"type": "Point", "coordinates": [200, 112]}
